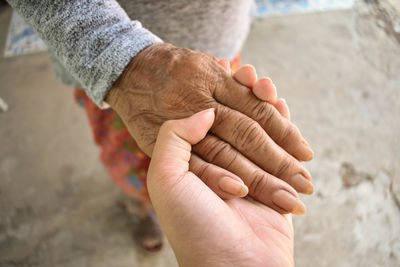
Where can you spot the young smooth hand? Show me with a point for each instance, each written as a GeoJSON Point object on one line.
{"type": "Point", "coordinates": [203, 229]}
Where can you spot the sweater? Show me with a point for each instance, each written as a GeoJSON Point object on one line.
{"type": "Point", "coordinates": [92, 41]}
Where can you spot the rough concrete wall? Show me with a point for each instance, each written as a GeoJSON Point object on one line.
{"type": "Point", "coordinates": [340, 74]}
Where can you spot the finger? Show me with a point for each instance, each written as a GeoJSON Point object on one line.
{"type": "Point", "coordinates": [282, 131]}
{"type": "Point", "coordinates": [250, 139]}
{"type": "Point", "coordinates": [282, 107]}
{"type": "Point", "coordinates": [265, 90]}
{"type": "Point", "coordinates": [175, 137]}
{"type": "Point", "coordinates": [225, 64]}
{"type": "Point", "coordinates": [262, 186]}
{"type": "Point", "coordinates": [172, 150]}
{"type": "Point", "coordinates": [246, 75]}
{"type": "Point", "coordinates": [224, 183]}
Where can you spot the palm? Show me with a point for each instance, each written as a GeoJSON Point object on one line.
{"type": "Point", "coordinates": [271, 233]}
{"type": "Point", "coordinates": [242, 230]}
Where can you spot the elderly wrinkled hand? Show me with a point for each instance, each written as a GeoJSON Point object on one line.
{"type": "Point", "coordinates": [249, 138]}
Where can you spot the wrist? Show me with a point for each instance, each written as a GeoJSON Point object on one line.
{"type": "Point", "coordinates": [131, 75]}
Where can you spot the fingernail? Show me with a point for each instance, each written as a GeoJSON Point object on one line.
{"type": "Point", "coordinates": [233, 187]}
{"type": "Point", "coordinates": [288, 202]}
{"type": "Point", "coordinates": [305, 151]}
{"type": "Point", "coordinates": [302, 184]}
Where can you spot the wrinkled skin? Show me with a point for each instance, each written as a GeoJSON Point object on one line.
{"type": "Point", "coordinates": [249, 138]}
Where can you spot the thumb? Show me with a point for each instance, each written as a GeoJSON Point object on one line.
{"type": "Point", "coordinates": [172, 151]}
{"type": "Point", "coordinates": [181, 200]}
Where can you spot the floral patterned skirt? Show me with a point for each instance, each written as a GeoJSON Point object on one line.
{"type": "Point", "coordinates": [126, 163]}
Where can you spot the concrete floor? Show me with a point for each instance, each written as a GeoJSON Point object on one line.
{"type": "Point", "coordinates": [339, 72]}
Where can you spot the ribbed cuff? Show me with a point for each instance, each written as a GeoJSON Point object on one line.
{"type": "Point", "coordinates": [114, 59]}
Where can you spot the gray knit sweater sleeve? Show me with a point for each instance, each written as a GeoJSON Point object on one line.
{"type": "Point", "coordinates": [93, 39]}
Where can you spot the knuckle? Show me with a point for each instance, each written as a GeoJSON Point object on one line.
{"type": "Point", "coordinates": [215, 151]}
{"type": "Point", "coordinates": [248, 133]}
{"type": "Point", "coordinates": [283, 167]}
{"type": "Point", "coordinates": [231, 159]}
{"type": "Point", "coordinates": [259, 183]}
{"type": "Point", "coordinates": [289, 133]}
{"type": "Point", "coordinates": [260, 109]}
{"type": "Point", "coordinates": [220, 115]}
{"type": "Point", "coordinates": [202, 172]}
{"type": "Point", "coordinates": [266, 114]}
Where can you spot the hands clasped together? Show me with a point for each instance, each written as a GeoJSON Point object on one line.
{"type": "Point", "coordinates": [241, 143]}
{"type": "Point", "coordinates": [203, 229]}
{"type": "Point", "coordinates": [251, 139]}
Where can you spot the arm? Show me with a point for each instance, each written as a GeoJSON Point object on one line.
{"type": "Point", "coordinates": [94, 40]}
